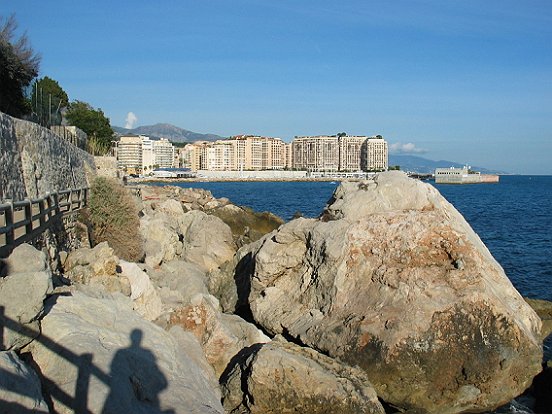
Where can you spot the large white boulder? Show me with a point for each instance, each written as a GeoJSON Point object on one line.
{"type": "Point", "coordinates": [392, 278]}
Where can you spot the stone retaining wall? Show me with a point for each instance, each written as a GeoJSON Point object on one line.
{"type": "Point", "coordinates": [35, 161]}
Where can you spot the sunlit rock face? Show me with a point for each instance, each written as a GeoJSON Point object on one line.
{"type": "Point", "coordinates": [393, 279]}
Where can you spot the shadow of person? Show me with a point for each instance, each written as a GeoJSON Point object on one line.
{"type": "Point", "coordinates": [135, 380]}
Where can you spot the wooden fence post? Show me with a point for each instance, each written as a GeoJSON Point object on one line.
{"type": "Point", "coordinates": [29, 217]}
{"type": "Point", "coordinates": [9, 225]}
{"type": "Point", "coordinates": [41, 218]}
{"type": "Point", "coordinates": [56, 202]}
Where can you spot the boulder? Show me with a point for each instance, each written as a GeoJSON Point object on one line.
{"type": "Point", "coordinates": [178, 282]}
{"type": "Point", "coordinates": [24, 259]}
{"type": "Point", "coordinates": [543, 308]}
{"type": "Point", "coordinates": [221, 336]}
{"type": "Point", "coordinates": [162, 241]}
{"type": "Point", "coordinates": [207, 240]}
{"type": "Point", "coordinates": [96, 267]}
{"type": "Point", "coordinates": [22, 294]}
{"type": "Point", "coordinates": [280, 377]}
{"type": "Point", "coordinates": [99, 355]}
{"type": "Point", "coordinates": [143, 294]}
{"type": "Point", "coordinates": [19, 387]}
{"type": "Point", "coordinates": [246, 225]}
{"type": "Point", "coordinates": [392, 278]}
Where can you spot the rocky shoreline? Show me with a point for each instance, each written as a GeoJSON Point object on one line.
{"type": "Point", "coordinates": [388, 302]}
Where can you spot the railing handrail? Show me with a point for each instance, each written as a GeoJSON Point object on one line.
{"type": "Point", "coordinates": [60, 203]}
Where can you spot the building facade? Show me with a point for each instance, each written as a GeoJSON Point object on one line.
{"type": "Point", "coordinates": [339, 153]}
{"type": "Point", "coordinates": [316, 153]}
{"type": "Point", "coordinates": [243, 152]}
{"type": "Point", "coordinates": [376, 154]}
{"type": "Point", "coordinates": [138, 154]}
{"type": "Point", "coordinates": [163, 152]}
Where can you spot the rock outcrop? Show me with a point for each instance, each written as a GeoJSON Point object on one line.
{"type": "Point", "coordinates": [96, 267]}
{"type": "Point", "coordinates": [247, 225]}
{"type": "Point", "coordinates": [394, 280]}
{"type": "Point", "coordinates": [19, 387]}
{"type": "Point", "coordinates": [144, 295]}
{"type": "Point", "coordinates": [221, 336]}
{"type": "Point", "coordinates": [25, 284]}
{"type": "Point", "coordinates": [281, 377]}
{"type": "Point", "coordinates": [99, 355]}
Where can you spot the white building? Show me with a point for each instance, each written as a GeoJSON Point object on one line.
{"type": "Point", "coordinates": [138, 154]}
{"type": "Point", "coordinates": [163, 153]}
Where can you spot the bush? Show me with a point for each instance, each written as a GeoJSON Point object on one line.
{"type": "Point", "coordinates": [114, 218]}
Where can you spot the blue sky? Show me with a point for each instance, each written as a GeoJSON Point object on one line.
{"type": "Point", "coordinates": [467, 81]}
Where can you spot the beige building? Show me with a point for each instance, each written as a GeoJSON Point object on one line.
{"type": "Point", "coordinates": [351, 156]}
{"type": "Point", "coordinates": [244, 152]}
{"type": "Point", "coordinates": [376, 154]}
{"type": "Point", "coordinates": [129, 154]}
{"type": "Point", "coordinates": [339, 153]}
{"type": "Point", "coordinates": [317, 153]}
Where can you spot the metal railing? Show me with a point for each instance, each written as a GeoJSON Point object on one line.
{"type": "Point", "coordinates": [22, 221]}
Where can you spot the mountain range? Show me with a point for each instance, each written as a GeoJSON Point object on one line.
{"type": "Point", "coordinates": [175, 134]}
{"type": "Point", "coordinates": [171, 132]}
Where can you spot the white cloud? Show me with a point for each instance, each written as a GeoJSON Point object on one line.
{"type": "Point", "coordinates": [408, 148]}
{"type": "Point", "coordinates": [131, 120]}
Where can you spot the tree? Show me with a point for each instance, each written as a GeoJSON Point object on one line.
{"type": "Point", "coordinates": [19, 64]}
{"type": "Point", "coordinates": [47, 101]}
{"type": "Point", "coordinates": [94, 123]}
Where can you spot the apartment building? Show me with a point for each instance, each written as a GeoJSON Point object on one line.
{"type": "Point", "coordinates": [316, 153]}
{"type": "Point", "coordinates": [138, 154]}
{"type": "Point", "coordinates": [339, 153]}
{"type": "Point", "coordinates": [163, 152]}
{"type": "Point", "coordinates": [351, 155]}
{"type": "Point", "coordinates": [376, 154]}
{"type": "Point", "coordinates": [129, 154]}
{"type": "Point", "coordinates": [243, 152]}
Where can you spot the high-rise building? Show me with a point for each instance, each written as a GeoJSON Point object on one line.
{"type": "Point", "coordinates": [317, 153]}
{"type": "Point", "coordinates": [243, 152]}
{"type": "Point", "coordinates": [339, 153]}
{"type": "Point", "coordinates": [376, 154]}
{"type": "Point", "coordinates": [129, 154]}
{"type": "Point", "coordinates": [350, 153]}
{"type": "Point", "coordinates": [138, 154]}
{"type": "Point", "coordinates": [163, 153]}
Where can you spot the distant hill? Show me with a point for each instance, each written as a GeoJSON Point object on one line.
{"type": "Point", "coordinates": [425, 166]}
{"type": "Point", "coordinates": [171, 132]}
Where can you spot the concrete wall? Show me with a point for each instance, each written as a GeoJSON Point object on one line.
{"type": "Point", "coordinates": [35, 161]}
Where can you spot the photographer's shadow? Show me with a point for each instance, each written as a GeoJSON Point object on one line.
{"type": "Point", "coordinates": [135, 367]}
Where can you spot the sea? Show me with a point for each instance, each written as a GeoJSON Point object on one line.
{"type": "Point", "coordinates": [512, 217]}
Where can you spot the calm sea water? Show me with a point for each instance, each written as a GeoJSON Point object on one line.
{"type": "Point", "coordinates": [513, 217]}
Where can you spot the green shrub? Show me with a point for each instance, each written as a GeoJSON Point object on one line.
{"type": "Point", "coordinates": [114, 218]}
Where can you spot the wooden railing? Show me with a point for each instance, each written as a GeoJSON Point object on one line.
{"type": "Point", "coordinates": [22, 221]}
